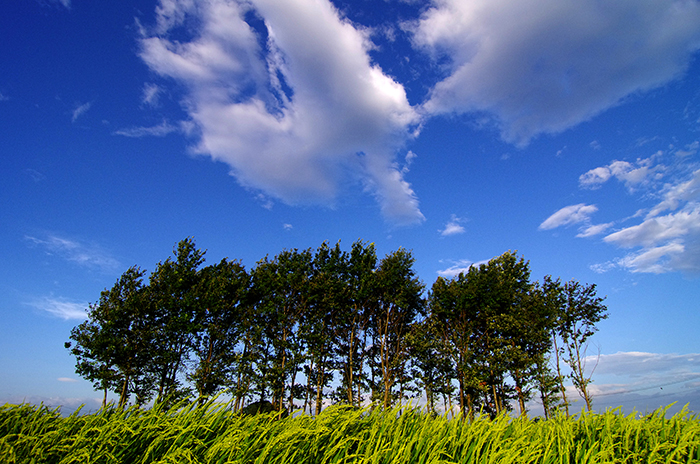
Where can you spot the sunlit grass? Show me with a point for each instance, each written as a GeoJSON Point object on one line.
{"type": "Point", "coordinates": [213, 434]}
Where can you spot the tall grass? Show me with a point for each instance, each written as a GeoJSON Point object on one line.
{"type": "Point", "coordinates": [213, 434]}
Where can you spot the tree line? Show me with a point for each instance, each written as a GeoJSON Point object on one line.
{"type": "Point", "coordinates": [307, 328]}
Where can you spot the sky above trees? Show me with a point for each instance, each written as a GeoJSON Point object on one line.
{"type": "Point", "coordinates": [567, 131]}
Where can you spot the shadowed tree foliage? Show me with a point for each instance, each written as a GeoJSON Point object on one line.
{"type": "Point", "coordinates": [327, 325]}
{"type": "Point", "coordinates": [282, 292]}
{"type": "Point", "coordinates": [400, 303]}
{"type": "Point", "coordinates": [222, 293]}
{"type": "Point", "coordinates": [112, 347]}
{"type": "Point", "coordinates": [173, 306]}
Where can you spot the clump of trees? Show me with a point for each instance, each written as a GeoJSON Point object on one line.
{"type": "Point", "coordinates": [307, 328]}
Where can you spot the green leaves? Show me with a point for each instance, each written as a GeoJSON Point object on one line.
{"type": "Point", "coordinates": [325, 324]}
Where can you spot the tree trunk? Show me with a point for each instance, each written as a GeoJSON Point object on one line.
{"type": "Point", "coordinates": [559, 376]}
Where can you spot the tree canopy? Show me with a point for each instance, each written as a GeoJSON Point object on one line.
{"type": "Point", "coordinates": [307, 328]}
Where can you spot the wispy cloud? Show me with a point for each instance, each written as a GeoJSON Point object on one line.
{"type": "Point", "coordinates": [294, 117]}
{"type": "Point", "coordinates": [543, 66]}
{"type": "Point", "coordinates": [67, 380]}
{"type": "Point", "coordinates": [666, 242]}
{"type": "Point", "coordinates": [638, 364]}
{"type": "Point", "coordinates": [287, 226]}
{"type": "Point", "coordinates": [631, 174]}
{"type": "Point", "coordinates": [458, 267]}
{"type": "Point", "coordinates": [151, 94]}
{"type": "Point", "coordinates": [80, 110]}
{"type": "Point", "coordinates": [61, 307]}
{"type": "Point", "coordinates": [4, 97]}
{"type": "Point", "coordinates": [594, 229]}
{"type": "Point", "coordinates": [569, 215]}
{"type": "Point", "coordinates": [453, 226]}
{"type": "Point", "coordinates": [88, 255]}
{"type": "Point", "coordinates": [35, 175]}
{"type": "Point", "coordinates": [666, 236]}
{"type": "Point", "coordinates": [161, 130]}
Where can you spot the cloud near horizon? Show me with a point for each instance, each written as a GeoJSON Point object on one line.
{"type": "Point", "coordinates": [285, 93]}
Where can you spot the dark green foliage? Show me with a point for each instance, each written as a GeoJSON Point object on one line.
{"type": "Point", "coordinates": [307, 328]}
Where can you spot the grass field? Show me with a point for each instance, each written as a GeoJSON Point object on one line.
{"type": "Point", "coordinates": [212, 434]}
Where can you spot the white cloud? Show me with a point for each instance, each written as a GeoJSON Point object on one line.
{"type": "Point", "coordinates": [294, 118]}
{"type": "Point", "coordinates": [635, 363]}
{"type": "Point", "coordinates": [632, 175]}
{"type": "Point", "coordinates": [80, 110]}
{"type": "Point", "coordinates": [677, 194]}
{"type": "Point", "coordinates": [690, 150]}
{"type": "Point", "coordinates": [659, 229]}
{"type": "Point", "coordinates": [662, 242]}
{"type": "Point", "coordinates": [161, 130]}
{"type": "Point", "coordinates": [88, 255]}
{"type": "Point", "coordinates": [459, 267]}
{"type": "Point", "coordinates": [61, 307]}
{"type": "Point", "coordinates": [653, 260]}
{"type": "Point", "coordinates": [287, 226]}
{"type": "Point", "coordinates": [568, 215]}
{"type": "Point", "coordinates": [4, 97]}
{"type": "Point", "coordinates": [542, 66]}
{"type": "Point", "coordinates": [151, 93]}
{"type": "Point", "coordinates": [453, 226]}
{"type": "Point", "coordinates": [67, 380]}
{"type": "Point", "coordinates": [65, 3]}
{"type": "Point", "coordinates": [595, 229]}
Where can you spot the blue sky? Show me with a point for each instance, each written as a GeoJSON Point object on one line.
{"type": "Point", "coordinates": [566, 130]}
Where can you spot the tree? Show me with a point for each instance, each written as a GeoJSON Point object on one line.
{"type": "Point", "coordinates": [400, 303]}
{"type": "Point", "coordinates": [112, 346]}
{"type": "Point", "coordinates": [329, 298]}
{"type": "Point", "coordinates": [352, 322]}
{"type": "Point", "coordinates": [551, 385]}
{"type": "Point", "coordinates": [172, 312]}
{"type": "Point", "coordinates": [453, 309]}
{"type": "Point", "coordinates": [282, 295]}
{"type": "Point", "coordinates": [432, 366]}
{"type": "Point", "coordinates": [221, 290]}
{"type": "Point", "coordinates": [581, 312]}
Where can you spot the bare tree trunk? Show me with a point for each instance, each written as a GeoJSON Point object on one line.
{"type": "Point", "coordinates": [559, 376]}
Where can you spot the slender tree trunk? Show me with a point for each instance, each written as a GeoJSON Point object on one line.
{"type": "Point", "coordinates": [559, 376]}
{"type": "Point", "coordinates": [521, 399]}
{"type": "Point", "coordinates": [496, 402]}
{"type": "Point", "coordinates": [319, 389]}
{"type": "Point", "coordinates": [124, 393]}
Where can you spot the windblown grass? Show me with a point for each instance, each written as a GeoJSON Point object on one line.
{"type": "Point", "coordinates": [213, 434]}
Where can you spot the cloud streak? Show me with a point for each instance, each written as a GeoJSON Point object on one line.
{"type": "Point", "coordinates": [568, 215]}
{"type": "Point", "coordinates": [61, 308]}
{"type": "Point", "coordinates": [80, 110]}
{"type": "Point", "coordinates": [161, 130]}
{"type": "Point", "coordinates": [87, 255]}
